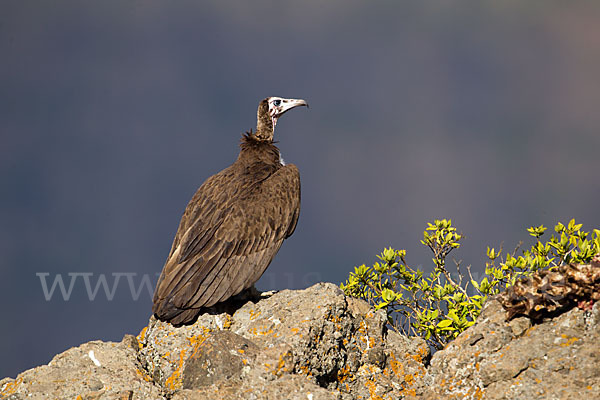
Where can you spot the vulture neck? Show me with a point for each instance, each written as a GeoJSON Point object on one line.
{"type": "Point", "coordinates": [264, 123]}
{"type": "Point", "coordinates": [255, 151]}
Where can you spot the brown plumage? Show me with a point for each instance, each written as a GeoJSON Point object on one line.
{"type": "Point", "coordinates": [233, 226]}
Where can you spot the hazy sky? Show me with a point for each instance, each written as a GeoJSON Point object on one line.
{"type": "Point", "coordinates": [112, 113]}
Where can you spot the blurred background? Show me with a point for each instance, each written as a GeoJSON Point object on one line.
{"type": "Point", "coordinates": [112, 114]}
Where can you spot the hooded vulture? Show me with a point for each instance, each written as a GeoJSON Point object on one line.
{"type": "Point", "coordinates": [233, 226]}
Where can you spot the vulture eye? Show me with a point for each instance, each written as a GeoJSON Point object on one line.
{"type": "Point", "coordinates": [276, 103]}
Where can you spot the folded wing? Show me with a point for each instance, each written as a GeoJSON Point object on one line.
{"type": "Point", "coordinates": [227, 238]}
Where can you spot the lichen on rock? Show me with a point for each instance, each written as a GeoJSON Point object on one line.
{"type": "Point", "coordinates": [319, 344]}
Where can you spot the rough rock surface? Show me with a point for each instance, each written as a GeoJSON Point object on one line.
{"type": "Point", "coordinates": [319, 344]}
{"type": "Point", "coordinates": [558, 358]}
{"type": "Point", "coordinates": [315, 343]}
{"type": "Point", "coordinates": [94, 370]}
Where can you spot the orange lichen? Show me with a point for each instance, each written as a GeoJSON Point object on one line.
{"type": "Point", "coordinates": [175, 380]}
{"type": "Point", "coordinates": [228, 322]}
{"type": "Point", "coordinates": [200, 338]}
{"type": "Point", "coordinates": [197, 340]}
{"type": "Point", "coordinates": [419, 357]}
{"type": "Point", "coordinates": [475, 393]}
{"type": "Point", "coordinates": [334, 319]}
{"type": "Point", "coordinates": [143, 375]}
{"type": "Point", "coordinates": [11, 387]}
{"type": "Point", "coordinates": [265, 330]}
{"type": "Point", "coordinates": [343, 374]}
{"type": "Point", "coordinates": [254, 314]}
{"type": "Point", "coordinates": [141, 336]}
{"type": "Point", "coordinates": [569, 340]}
{"type": "Point", "coordinates": [396, 366]}
{"type": "Point", "coordinates": [280, 365]}
{"type": "Point", "coordinates": [372, 388]}
{"type": "Point", "coordinates": [304, 369]}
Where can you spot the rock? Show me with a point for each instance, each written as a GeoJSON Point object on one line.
{"type": "Point", "coordinates": [337, 347]}
{"type": "Point", "coordinates": [289, 387]}
{"type": "Point", "coordinates": [557, 358]}
{"type": "Point", "coordinates": [222, 356]}
{"type": "Point", "coordinates": [94, 370]}
{"type": "Point", "coordinates": [319, 344]}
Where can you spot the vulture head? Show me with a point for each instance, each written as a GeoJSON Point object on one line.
{"type": "Point", "coordinates": [269, 111]}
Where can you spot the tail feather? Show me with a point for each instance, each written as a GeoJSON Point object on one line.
{"type": "Point", "coordinates": [168, 312]}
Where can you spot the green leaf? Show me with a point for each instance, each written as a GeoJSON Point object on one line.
{"type": "Point", "coordinates": [444, 323]}
{"type": "Point", "coordinates": [388, 295]}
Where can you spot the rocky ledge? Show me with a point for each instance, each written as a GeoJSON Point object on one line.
{"type": "Point", "coordinates": [318, 344]}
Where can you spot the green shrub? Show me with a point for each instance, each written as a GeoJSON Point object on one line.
{"type": "Point", "coordinates": [441, 305]}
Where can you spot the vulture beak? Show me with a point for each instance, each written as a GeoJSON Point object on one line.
{"type": "Point", "coordinates": [288, 104]}
{"type": "Point", "coordinates": [278, 106]}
